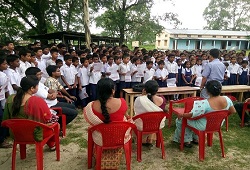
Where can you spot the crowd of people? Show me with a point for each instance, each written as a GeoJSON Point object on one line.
{"type": "Point", "coordinates": [61, 76]}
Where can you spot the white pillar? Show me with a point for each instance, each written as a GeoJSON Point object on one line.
{"type": "Point", "coordinates": [248, 45]}
{"type": "Point", "coordinates": [200, 44]}
{"type": "Point", "coordinates": [239, 45]}
{"type": "Point", "coordinates": [227, 45]}
{"type": "Point", "coordinates": [175, 45]}
{"type": "Point", "coordinates": [188, 44]}
{"type": "Point", "coordinates": [214, 43]}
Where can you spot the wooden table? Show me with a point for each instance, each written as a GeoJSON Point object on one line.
{"type": "Point", "coordinates": [130, 94]}
{"type": "Point", "coordinates": [236, 89]}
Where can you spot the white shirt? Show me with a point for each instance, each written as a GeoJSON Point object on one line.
{"type": "Point", "coordinates": [23, 67]}
{"type": "Point", "coordinates": [42, 66]}
{"type": "Point", "coordinates": [148, 75]}
{"type": "Point", "coordinates": [46, 57]}
{"type": "Point", "coordinates": [198, 70]}
{"type": "Point", "coordinates": [184, 70]}
{"type": "Point", "coordinates": [60, 57]}
{"type": "Point", "coordinates": [69, 73]}
{"type": "Point", "coordinates": [95, 76]}
{"type": "Point", "coordinates": [83, 74]}
{"type": "Point", "coordinates": [43, 93]}
{"type": "Point", "coordinates": [134, 77]}
{"type": "Point", "coordinates": [124, 68]}
{"type": "Point", "coordinates": [161, 73]}
{"type": "Point", "coordinates": [14, 78]}
{"type": "Point", "coordinates": [113, 69]}
{"type": "Point", "coordinates": [171, 67]}
{"type": "Point", "coordinates": [50, 62]}
{"type": "Point", "coordinates": [241, 69]}
{"type": "Point", "coordinates": [233, 68]}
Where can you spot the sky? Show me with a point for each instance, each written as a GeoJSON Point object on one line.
{"type": "Point", "coordinates": [189, 11]}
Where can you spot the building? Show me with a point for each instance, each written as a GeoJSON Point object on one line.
{"type": "Point", "coordinates": [184, 39]}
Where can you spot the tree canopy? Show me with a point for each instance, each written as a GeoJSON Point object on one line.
{"type": "Point", "coordinates": [227, 15]}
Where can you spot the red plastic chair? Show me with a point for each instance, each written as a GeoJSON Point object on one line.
{"type": "Point", "coordinates": [113, 135]}
{"type": "Point", "coordinates": [63, 116]}
{"type": "Point", "coordinates": [151, 124]}
{"type": "Point", "coordinates": [245, 108]}
{"type": "Point", "coordinates": [214, 120]}
{"type": "Point", "coordinates": [188, 105]}
{"type": "Point", "coordinates": [23, 132]}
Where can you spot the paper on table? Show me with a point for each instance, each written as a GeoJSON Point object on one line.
{"type": "Point", "coordinates": [97, 67]}
{"type": "Point", "coordinates": [140, 69]}
{"type": "Point", "coordinates": [128, 77]}
{"type": "Point", "coordinates": [171, 82]}
{"type": "Point", "coordinates": [198, 81]}
{"type": "Point", "coordinates": [83, 94]}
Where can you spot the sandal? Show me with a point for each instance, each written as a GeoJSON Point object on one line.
{"type": "Point", "coordinates": [53, 148]}
{"type": "Point", "coordinates": [188, 145]}
{"type": "Point", "coordinates": [5, 145]}
{"type": "Point", "coordinates": [195, 142]}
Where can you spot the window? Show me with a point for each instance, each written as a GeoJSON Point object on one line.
{"type": "Point", "coordinates": [237, 43]}
{"type": "Point", "coordinates": [165, 42]}
{"type": "Point", "coordinates": [188, 35]}
{"type": "Point", "coordinates": [229, 36]}
{"type": "Point", "coordinates": [166, 35]}
{"type": "Point", "coordinates": [187, 43]}
{"type": "Point", "coordinates": [214, 36]}
{"type": "Point", "coordinates": [159, 42]}
{"type": "Point", "coordinates": [176, 35]}
{"type": "Point", "coordinates": [224, 36]}
{"type": "Point", "coordinates": [199, 35]}
{"type": "Point", "coordinates": [203, 43]}
{"type": "Point", "coordinates": [229, 43]}
{"type": "Point", "coordinates": [238, 37]}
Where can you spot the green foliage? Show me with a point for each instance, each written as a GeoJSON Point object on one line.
{"type": "Point", "coordinates": [227, 15]}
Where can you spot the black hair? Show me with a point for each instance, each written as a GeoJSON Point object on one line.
{"type": "Point", "coordinates": [50, 69]}
{"type": "Point", "coordinates": [105, 89]}
{"type": "Point", "coordinates": [226, 64]}
{"type": "Point", "coordinates": [213, 87]}
{"type": "Point", "coordinates": [36, 49]}
{"type": "Point", "coordinates": [109, 56]}
{"type": "Point", "coordinates": [125, 56]}
{"type": "Point", "coordinates": [80, 52]}
{"type": "Point", "coordinates": [149, 62]}
{"type": "Point", "coordinates": [82, 60]}
{"type": "Point", "coordinates": [95, 55]}
{"type": "Point", "coordinates": [25, 84]}
{"type": "Point", "coordinates": [185, 64]}
{"type": "Point", "coordinates": [214, 53]}
{"type": "Point", "coordinates": [61, 45]}
{"type": "Point", "coordinates": [161, 62]}
{"type": "Point", "coordinates": [89, 57]}
{"type": "Point", "coordinates": [74, 59]}
{"type": "Point", "coordinates": [117, 58]}
{"type": "Point", "coordinates": [244, 62]}
{"type": "Point", "coordinates": [58, 61]}
{"type": "Point", "coordinates": [135, 59]}
{"type": "Point", "coordinates": [53, 50]}
{"type": "Point", "coordinates": [8, 42]}
{"type": "Point", "coordinates": [171, 55]}
{"type": "Point", "coordinates": [11, 58]}
{"type": "Point", "coordinates": [32, 71]}
{"type": "Point", "coordinates": [2, 59]}
{"type": "Point", "coordinates": [151, 88]}
{"type": "Point", "coordinates": [23, 52]}
{"type": "Point", "coordinates": [67, 57]}
{"type": "Point", "coordinates": [71, 50]}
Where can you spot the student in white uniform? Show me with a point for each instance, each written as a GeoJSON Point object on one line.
{"type": "Point", "coordinates": [125, 74]}
{"type": "Point", "coordinates": [41, 63]}
{"type": "Point", "coordinates": [24, 61]}
{"type": "Point", "coordinates": [149, 72]}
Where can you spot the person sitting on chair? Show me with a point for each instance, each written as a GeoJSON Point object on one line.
{"type": "Point", "coordinates": [215, 102]}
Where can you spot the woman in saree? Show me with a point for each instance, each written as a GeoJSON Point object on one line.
{"type": "Point", "coordinates": [215, 102]}
{"type": "Point", "coordinates": [104, 110]}
{"type": "Point", "coordinates": [149, 102]}
{"type": "Point", "coordinates": [23, 105]}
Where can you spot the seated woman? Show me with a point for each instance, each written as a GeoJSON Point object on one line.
{"type": "Point", "coordinates": [104, 110]}
{"type": "Point", "coordinates": [23, 105]}
{"type": "Point", "coordinates": [149, 102]}
{"type": "Point", "coordinates": [213, 103]}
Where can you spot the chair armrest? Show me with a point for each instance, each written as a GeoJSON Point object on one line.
{"type": "Point", "coordinates": [57, 109]}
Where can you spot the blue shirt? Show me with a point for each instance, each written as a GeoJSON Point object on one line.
{"type": "Point", "coordinates": [214, 70]}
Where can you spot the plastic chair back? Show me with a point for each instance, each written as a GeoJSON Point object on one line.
{"type": "Point", "coordinates": [189, 102]}
{"type": "Point", "coordinates": [23, 129]}
{"type": "Point", "coordinates": [151, 120]}
{"type": "Point", "coordinates": [113, 134]}
{"type": "Point", "coordinates": [214, 120]}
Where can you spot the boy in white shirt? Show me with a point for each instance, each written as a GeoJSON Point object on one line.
{"type": "Point", "coordinates": [54, 56]}
{"type": "Point", "coordinates": [149, 72]}
{"type": "Point", "coordinates": [24, 61]}
{"type": "Point", "coordinates": [135, 77]}
{"type": "Point", "coordinates": [161, 74]}
{"type": "Point", "coordinates": [125, 74]}
{"type": "Point", "coordinates": [41, 63]}
{"type": "Point", "coordinates": [69, 75]}
{"type": "Point", "coordinates": [12, 73]}
{"type": "Point", "coordinates": [172, 68]}
{"type": "Point", "coordinates": [83, 80]}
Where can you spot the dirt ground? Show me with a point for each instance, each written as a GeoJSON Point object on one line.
{"type": "Point", "coordinates": [74, 155]}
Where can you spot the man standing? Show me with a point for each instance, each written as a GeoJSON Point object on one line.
{"type": "Point", "coordinates": [214, 70]}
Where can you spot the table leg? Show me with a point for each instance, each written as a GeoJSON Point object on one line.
{"type": "Point", "coordinates": [127, 101]}
{"type": "Point", "coordinates": [241, 96]}
{"type": "Point", "coordinates": [194, 94]}
{"type": "Point", "coordinates": [132, 105]}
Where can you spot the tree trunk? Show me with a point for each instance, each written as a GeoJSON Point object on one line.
{"type": "Point", "coordinates": [86, 23]}
{"type": "Point", "coordinates": [71, 8]}
{"type": "Point", "coordinates": [58, 13]}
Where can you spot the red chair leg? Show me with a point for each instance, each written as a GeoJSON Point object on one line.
{"type": "Point", "coordinates": [227, 123]}
{"type": "Point", "coordinates": [57, 141]}
{"type": "Point", "coordinates": [209, 139]}
{"type": "Point", "coordinates": [183, 127]}
{"type": "Point", "coordinates": [222, 145]}
{"type": "Point", "coordinates": [127, 150]}
{"type": "Point", "coordinates": [243, 116]}
{"type": "Point", "coordinates": [39, 156]}
{"type": "Point", "coordinates": [90, 150]}
{"type": "Point", "coordinates": [14, 156]}
{"type": "Point", "coordinates": [139, 145]}
{"type": "Point", "coordinates": [202, 146]}
{"type": "Point", "coordinates": [170, 114]}
{"type": "Point", "coordinates": [163, 155]}
{"type": "Point", "coordinates": [158, 140]}
{"type": "Point", "coordinates": [22, 151]}
{"type": "Point", "coordinates": [98, 157]}
{"type": "Point", "coordinates": [64, 124]}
